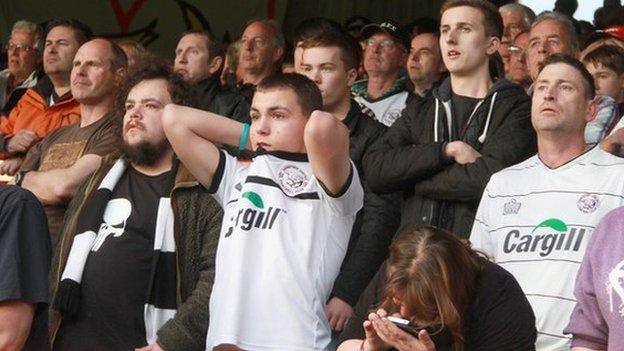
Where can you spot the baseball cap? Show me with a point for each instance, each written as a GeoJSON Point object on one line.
{"type": "Point", "coordinates": [394, 30]}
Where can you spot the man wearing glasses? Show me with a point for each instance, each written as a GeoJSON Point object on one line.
{"type": "Point", "coordinates": [384, 93]}
{"type": "Point", "coordinates": [23, 59]}
{"type": "Point", "coordinates": [49, 104]}
{"type": "Point", "coordinates": [518, 72]}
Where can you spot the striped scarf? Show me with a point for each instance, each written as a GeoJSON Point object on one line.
{"type": "Point", "coordinates": [160, 304]}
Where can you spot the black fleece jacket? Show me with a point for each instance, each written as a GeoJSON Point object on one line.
{"type": "Point", "coordinates": [439, 192]}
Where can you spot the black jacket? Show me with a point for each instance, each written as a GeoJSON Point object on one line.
{"type": "Point", "coordinates": [437, 191]}
{"type": "Point", "coordinates": [220, 100]}
{"type": "Point", "coordinates": [375, 224]}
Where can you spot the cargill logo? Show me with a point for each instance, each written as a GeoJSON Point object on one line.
{"type": "Point", "coordinates": [255, 217]}
{"type": "Point", "coordinates": [550, 235]}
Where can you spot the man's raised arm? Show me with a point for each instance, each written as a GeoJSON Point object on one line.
{"type": "Point", "coordinates": [327, 144]}
{"type": "Point", "coordinates": [194, 134]}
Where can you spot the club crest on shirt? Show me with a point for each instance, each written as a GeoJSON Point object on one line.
{"type": "Point", "coordinates": [588, 203]}
{"type": "Point", "coordinates": [292, 179]}
{"type": "Point", "coordinates": [511, 207]}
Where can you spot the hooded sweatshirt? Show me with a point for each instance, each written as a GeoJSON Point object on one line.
{"type": "Point", "coordinates": [438, 191]}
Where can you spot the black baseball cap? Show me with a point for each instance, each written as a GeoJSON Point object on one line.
{"type": "Point", "coordinates": [393, 29]}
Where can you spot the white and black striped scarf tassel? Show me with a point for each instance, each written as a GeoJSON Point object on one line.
{"type": "Point", "coordinates": [161, 302]}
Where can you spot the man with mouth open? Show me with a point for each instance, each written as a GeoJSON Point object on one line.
{"type": "Point", "coordinates": [536, 218]}
{"type": "Point", "coordinates": [443, 150]}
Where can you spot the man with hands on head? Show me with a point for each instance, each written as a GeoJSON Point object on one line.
{"type": "Point", "coordinates": [288, 213]}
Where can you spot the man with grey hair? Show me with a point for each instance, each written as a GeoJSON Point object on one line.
{"type": "Point", "coordinates": [24, 51]}
{"type": "Point", "coordinates": [551, 33]}
{"type": "Point", "coordinates": [262, 47]}
{"type": "Point", "coordinates": [516, 18]}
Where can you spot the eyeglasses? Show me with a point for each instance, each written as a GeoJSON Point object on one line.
{"type": "Point", "coordinates": [257, 42]}
{"type": "Point", "coordinates": [516, 51]}
{"type": "Point", "coordinates": [385, 44]}
{"type": "Point", "coordinates": [19, 47]}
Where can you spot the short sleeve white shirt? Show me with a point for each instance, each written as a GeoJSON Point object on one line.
{"type": "Point", "coordinates": [281, 246]}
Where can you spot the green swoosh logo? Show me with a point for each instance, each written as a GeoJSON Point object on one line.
{"type": "Point", "coordinates": [254, 198]}
{"type": "Point", "coordinates": [553, 223]}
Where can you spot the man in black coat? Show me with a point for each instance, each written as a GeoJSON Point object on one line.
{"type": "Point", "coordinates": [199, 60]}
{"type": "Point", "coordinates": [331, 61]}
{"type": "Point", "coordinates": [443, 150]}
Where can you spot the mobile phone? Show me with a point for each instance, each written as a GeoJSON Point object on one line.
{"type": "Point", "coordinates": [439, 334]}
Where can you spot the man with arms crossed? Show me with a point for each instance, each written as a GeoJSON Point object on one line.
{"type": "Point", "coordinates": [54, 168]}
{"type": "Point", "coordinates": [288, 213]}
{"type": "Point", "coordinates": [535, 218]}
{"type": "Point", "coordinates": [443, 150]}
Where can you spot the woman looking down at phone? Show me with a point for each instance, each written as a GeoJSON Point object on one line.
{"type": "Point", "coordinates": [453, 298]}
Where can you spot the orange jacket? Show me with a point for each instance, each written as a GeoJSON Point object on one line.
{"type": "Point", "coordinates": [33, 113]}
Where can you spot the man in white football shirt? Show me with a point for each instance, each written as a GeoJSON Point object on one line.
{"type": "Point", "coordinates": [535, 218]}
{"type": "Point", "coordinates": [288, 213]}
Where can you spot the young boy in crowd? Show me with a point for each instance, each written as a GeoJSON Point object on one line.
{"type": "Point", "coordinates": [288, 213]}
{"type": "Point", "coordinates": [606, 65]}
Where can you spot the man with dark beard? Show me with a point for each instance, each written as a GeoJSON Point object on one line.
{"type": "Point", "coordinates": [137, 250]}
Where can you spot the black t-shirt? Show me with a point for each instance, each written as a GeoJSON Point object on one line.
{"type": "Point", "coordinates": [25, 255]}
{"type": "Point", "coordinates": [117, 273]}
{"type": "Point", "coordinates": [499, 319]}
{"type": "Point", "coordinates": [462, 109]}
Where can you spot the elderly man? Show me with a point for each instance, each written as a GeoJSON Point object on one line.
{"type": "Point", "coordinates": [517, 18]}
{"type": "Point", "coordinates": [55, 167]}
{"type": "Point", "coordinates": [24, 59]}
{"type": "Point", "coordinates": [551, 33]}
{"type": "Point", "coordinates": [517, 61]}
{"type": "Point", "coordinates": [198, 60]}
{"type": "Point", "coordinates": [384, 93]}
{"type": "Point", "coordinates": [262, 47]}
{"type": "Point", "coordinates": [49, 104]}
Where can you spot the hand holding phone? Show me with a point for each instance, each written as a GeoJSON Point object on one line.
{"type": "Point", "coordinates": [439, 334]}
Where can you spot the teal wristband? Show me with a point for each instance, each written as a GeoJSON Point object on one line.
{"type": "Point", "coordinates": [242, 142]}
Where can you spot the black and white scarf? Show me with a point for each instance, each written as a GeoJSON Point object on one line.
{"type": "Point", "coordinates": [160, 304]}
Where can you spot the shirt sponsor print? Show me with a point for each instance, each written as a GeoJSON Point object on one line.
{"type": "Point", "coordinates": [258, 216]}
{"type": "Point", "coordinates": [550, 236]}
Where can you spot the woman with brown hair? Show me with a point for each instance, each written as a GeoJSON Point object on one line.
{"type": "Point", "coordinates": [452, 295]}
